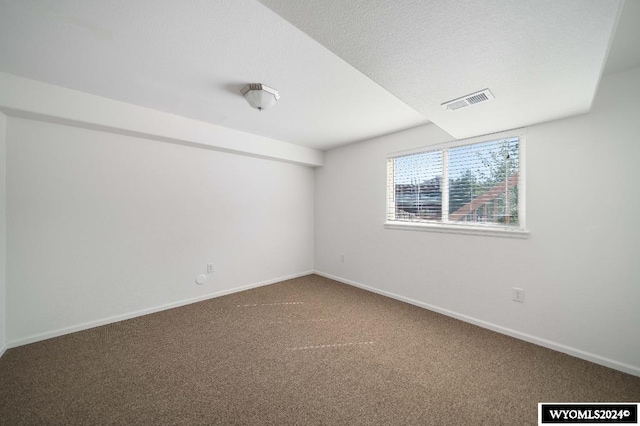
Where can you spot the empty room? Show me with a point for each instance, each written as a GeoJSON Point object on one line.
{"type": "Point", "coordinates": [274, 212]}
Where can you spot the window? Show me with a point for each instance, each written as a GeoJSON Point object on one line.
{"type": "Point", "coordinates": [471, 186]}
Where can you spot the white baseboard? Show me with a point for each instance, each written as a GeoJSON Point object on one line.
{"type": "Point", "coordinates": [578, 353]}
{"type": "Point", "coordinates": [122, 317]}
{"type": "Point", "coordinates": [3, 349]}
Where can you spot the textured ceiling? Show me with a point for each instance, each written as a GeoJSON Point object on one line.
{"type": "Point", "coordinates": [625, 49]}
{"type": "Point", "coordinates": [541, 59]}
{"type": "Point", "coordinates": [346, 70]}
{"type": "Point", "coordinates": [192, 58]}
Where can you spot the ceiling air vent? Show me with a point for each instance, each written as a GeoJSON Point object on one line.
{"type": "Point", "coordinates": [472, 99]}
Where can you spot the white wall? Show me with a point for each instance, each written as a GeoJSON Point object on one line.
{"type": "Point", "coordinates": [103, 226]}
{"type": "Point", "coordinates": [580, 267]}
{"type": "Point", "coordinates": [3, 233]}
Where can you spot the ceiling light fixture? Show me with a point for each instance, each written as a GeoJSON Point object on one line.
{"type": "Point", "coordinates": [260, 96]}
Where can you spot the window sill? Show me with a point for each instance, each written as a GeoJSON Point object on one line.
{"type": "Point", "coordinates": [458, 229]}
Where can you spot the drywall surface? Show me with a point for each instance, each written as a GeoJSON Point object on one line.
{"type": "Point", "coordinates": [579, 267]}
{"type": "Point", "coordinates": [415, 49]}
{"type": "Point", "coordinates": [102, 226]}
{"type": "Point", "coordinates": [3, 233]}
{"type": "Point", "coordinates": [32, 99]}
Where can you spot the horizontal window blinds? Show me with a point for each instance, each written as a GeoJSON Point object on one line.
{"type": "Point", "coordinates": [483, 182]}
{"type": "Point", "coordinates": [468, 184]}
{"type": "Point", "coordinates": [417, 186]}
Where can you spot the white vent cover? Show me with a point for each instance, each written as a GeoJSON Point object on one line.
{"type": "Point", "coordinates": [468, 100]}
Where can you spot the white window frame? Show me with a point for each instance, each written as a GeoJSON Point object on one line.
{"type": "Point", "coordinates": [466, 228]}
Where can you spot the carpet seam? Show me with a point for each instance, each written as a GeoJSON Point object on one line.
{"type": "Point", "coordinates": [146, 311]}
{"type": "Point", "coordinates": [558, 347]}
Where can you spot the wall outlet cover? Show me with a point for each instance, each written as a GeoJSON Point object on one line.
{"type": "Point", "coordinates": [518, 294]}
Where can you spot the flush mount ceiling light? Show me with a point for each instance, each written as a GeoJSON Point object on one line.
{"type": "Point", "coordinates": [260, 96]}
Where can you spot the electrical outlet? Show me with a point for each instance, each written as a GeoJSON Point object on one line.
{"type": "Point", "coordinates": [518, 294]}
{"type": "Point", "coordinates": [209, 268]}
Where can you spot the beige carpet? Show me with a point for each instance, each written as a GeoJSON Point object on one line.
{"type": "Point", "coordinates": [304, 351]}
